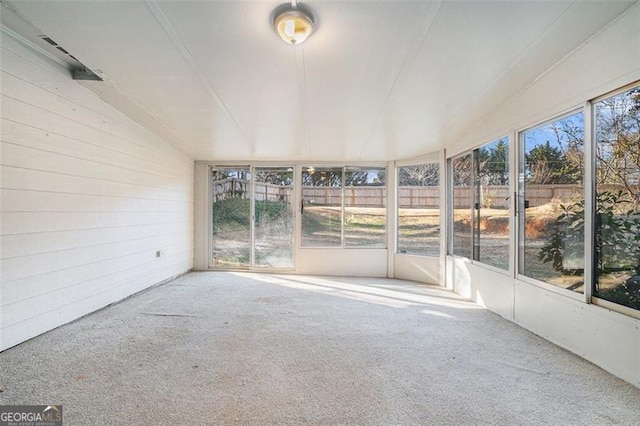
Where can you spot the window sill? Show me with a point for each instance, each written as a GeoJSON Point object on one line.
{"type": "Point", "coordinates": [621, 309]}
{"type": "Point", "coordinates": [552, 288]}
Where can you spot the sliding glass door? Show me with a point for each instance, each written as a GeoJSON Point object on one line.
{"type": "Point", "coordinates": [252, 217]}
{"type": "Point", "coordinates": [273, 217]}
{"type": "Point", "coordinates": [231, 217]}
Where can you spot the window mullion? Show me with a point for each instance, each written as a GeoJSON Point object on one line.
{"type": "Point", "coordinates": [342, 215]}
{"type": "Point", "coordinates": [589, 201]}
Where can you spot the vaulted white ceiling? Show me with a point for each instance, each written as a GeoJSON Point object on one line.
{"type": "Point", "coordinates": [377, 80]}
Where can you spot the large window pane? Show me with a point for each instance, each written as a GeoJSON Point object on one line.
{"type": "Point", "coordinates": [461, 243]}
{"type": "Point", "coordinates": [419, 209]}
{"type": "Point", "coordinates": [491, 204]}
{"type": "Point", "coordinates": [552, 203]}
{"type": "Point", "coordinates": [617, 239]}
{"type": "Point", "coordinates": [365, 213]}
{"type": "Point", "coordinates": [321, 207]}
{"type": "Point", "coordinates": [231, 221]}
{"type": "Point", "coordinates": [273, 225]}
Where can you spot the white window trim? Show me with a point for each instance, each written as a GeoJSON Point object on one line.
{"type": "Point", "coordinates": [433, 159]}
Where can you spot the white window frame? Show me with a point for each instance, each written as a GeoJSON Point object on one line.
{"type": "Point", "coordinates": [344, 166]}
{"type": "Point", "coordinates": [520, 203]}
{"type": "Point", "coordinates": [434, 158]}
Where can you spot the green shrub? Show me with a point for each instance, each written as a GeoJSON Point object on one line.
{"type": "Point", "coordinates": [617, 244]}
{"type": "Point", "coordinates": [233, 212]}
{"type": "Point", "coordinates": [617, 238]}
{"type": "Point", "coordinates": [230, 213]}
{"type": "Point", "coordinates": [270, 210]}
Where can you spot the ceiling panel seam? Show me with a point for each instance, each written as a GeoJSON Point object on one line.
{"type": "Point", "coordinates": [193, 64]}
{"type": "Point", "coordinates": [418, 40]}
{"type": "Point", "coordinates": [301, 74]}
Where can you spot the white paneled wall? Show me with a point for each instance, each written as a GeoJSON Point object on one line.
{"type": "Point", "coordinates": [87, 199]}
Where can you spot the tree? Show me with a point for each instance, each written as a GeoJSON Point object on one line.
{"type": "Point", "coordinates": [322, 177]}
{"type": "Point", "coordinates": [275, 177]}
{"type": "Point", "coordinates": [462, 170]}
{"type": "Point", "coordinates": [356, 177]}
{"type": "Point", "coordinates": [498, 164]}
{"type": "Point", "coordinates": [427, 174]}
{"type": "Point", "coordinates": [618, 143]}
{"type": "Point", "coordinates": [549, 165]}
{"type": "Point", "coordinates": [569, 134]}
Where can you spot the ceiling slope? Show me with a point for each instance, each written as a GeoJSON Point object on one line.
{"type": "Point", "coordinates": [378, 80]}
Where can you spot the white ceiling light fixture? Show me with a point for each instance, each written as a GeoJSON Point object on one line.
{"type": "Point", "coordinates": [293, 24]}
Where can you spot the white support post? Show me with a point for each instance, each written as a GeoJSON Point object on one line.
{"type": "Point", "coordinates": [202, 217]}
{"type": "Point", "coordinates": [444, 211]}
{"type": "Point", "coordinates": [392, 218]}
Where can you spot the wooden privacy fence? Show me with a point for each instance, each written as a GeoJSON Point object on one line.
{"type": "Point", "coordinates": [229, 188]}
{"type": "Point", "coordinates": [491, 196]}
{"type": "Point", "coordinates": [323, 196]}
{"type": "Point", "coordinates": [499, 196]}
{"type": "Point", "coordinates": [272, 192]}
{"type": "Point", "coordinates": [240, 188]}
{"type": "Point", "coordinates": [538, 195]}
{"type": "Point", "coordinates": [424, 197]}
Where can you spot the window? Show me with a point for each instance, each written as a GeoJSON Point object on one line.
{"type": "Point", "coordinates": [491, 204]}
{"type": "Point", "coordinates": [365, 212]}
{"type": "Point", "coordinates": [551, 200]}
{"type": "Point", "coordinates": [461, 206]}
{"type": "Point", "coordinates": [419, 209]}
{"type": "Point", "coordinates": [617, 204]}
{"type": "Point", "coordinates": [551, 204]}
{"type": "Point", "coordinates": [321, 207]}
{"type": "Point", "coordinates": [343, 207]}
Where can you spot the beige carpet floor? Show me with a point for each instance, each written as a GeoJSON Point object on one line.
{"type": "Point", "coordinates": [230, 348]}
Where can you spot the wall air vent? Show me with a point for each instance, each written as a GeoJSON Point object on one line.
{"type": "Point", "coordinates": [17, 27]}
{"type": "Point", "coordinates": [79, 71]}
{"type": "Point", "coordinates": [85, 74]}
{"type": "Point", "coordinates": [48, 40]}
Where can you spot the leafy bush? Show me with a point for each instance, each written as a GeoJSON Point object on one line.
{"type": "Point", "coordinates": [235, 211]}
{"type": "Point", "coordinates": [230, 212]}
{"type": "Point", "coordinates": [617, 238]}
{"type": "Point", "coordinates": [270, 210]}
{"type": "Point", "coordinates": [617, 243]}
{"type": "Point", "coordinates": [627, 293]}
{"type": "Point", "coordinates": [566, 231]}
